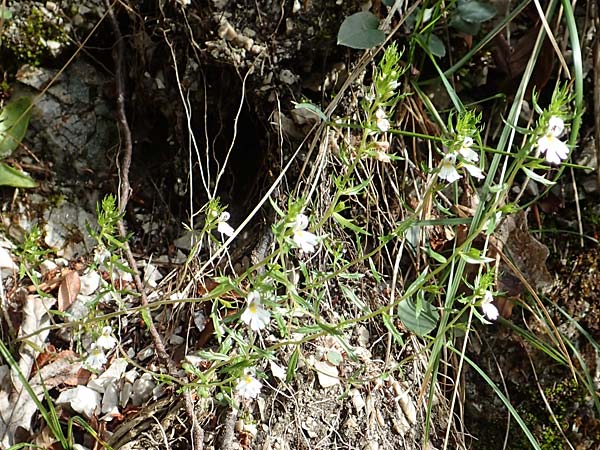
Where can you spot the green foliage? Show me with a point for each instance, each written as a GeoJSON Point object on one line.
{"type": "Point", "coordinates": [14, 119]}
{"type": "Point", "coordinates": [360, 31]}
{"type": "Point", "coordinates": [31, 253]}
{"type": "Point", "coordinates": [470, 14]}
{"type": "Point", "coordinates": [28, 42]}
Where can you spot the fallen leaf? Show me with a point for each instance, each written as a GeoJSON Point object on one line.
{"type": "Point", "coordinates": [327, 374]}
{"type": "Point", "coordinates": [68, 290]}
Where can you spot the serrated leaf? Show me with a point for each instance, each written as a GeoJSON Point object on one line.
{"type": "Point", "coordinates": [422, 323]}
{"type": "Point", "coordinates": [475, 12]}
{"type": "Point", "coordinates": [14, 120]}
{"type": "Point", "coordinates": [15, 178]}
{"type": "Point", "coordinates": [360, 31]}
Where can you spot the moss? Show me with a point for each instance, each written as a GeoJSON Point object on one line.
{"type": "Point", "coordinates": [27, 38]}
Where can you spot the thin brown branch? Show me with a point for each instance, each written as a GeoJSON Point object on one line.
{"type": "Point", "coordinates": [125, 188]}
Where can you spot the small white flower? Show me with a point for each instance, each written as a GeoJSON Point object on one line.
{"type": "Point", "coordinates": [467, 152]}
{"type": "Point", "coordinates": [474, 171]}
{"type": "Point", "coordinates": [302, 238]}
{"type": "Point", "coordinates": [248, 386]}
{"type": "Point", "coordinates": [106, 339]}
{"type": "Point", "coordinates": [448, 170]}
{"type": "Point", "coordinates": [222, 226]}
{"type": "Point", "coordinates": [255, 315]}
{"type": "Point", "coordinates": [96, 358]}
{"type": "Point", "coordinates": [554, 149]}
{"type": "Point", "coordinates": [101, 254]}
{"type": "Point", "coordinates": [382, 122]}
{"type": "Point", "coordinates": [487, 306]}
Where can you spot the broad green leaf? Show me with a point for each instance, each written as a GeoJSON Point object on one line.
{"type": "Point", "coordinates": [471, 28]}
{"type": "Point", "coordinates": [15, 178]}
{"type": "Point", "coordinates": [434, 44]}
{"type": "Point", "coordinates": [14, 119]}
{"type": "Point", "coordinates": [422, 323]}
{"type": "Point", "coordinates": [360, 31]}
{"type": "Point", "coordinates": [475, 12]}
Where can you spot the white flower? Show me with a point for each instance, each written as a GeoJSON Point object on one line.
{"type": "Point", "coordinates": [101, 254]}
{"type": "Point", "coordinates": [553, 148]}
{"type": "Point", "coordinates": [474, 171]}
{"type": "Point", "coordinates": [255, 315]}
{"type": "Point", "coordinates": [382, 122]}
{"type": "Point", "coordinates": [96, 358]}
{"type": "Point", "coordinates": [448, 170]}
{"type": "Point", "coordinates": [467, 152]}
{"type": "Point", "coordinates": [222, 226]}
{"type": "Point", "coordinates": [487, 306]}
{"type": "Point", "coordinates": [248, 386]}
{"type": "Point", "coordinates": [302, 238]}
{"type": "Point", "coordinates": [106, 340]}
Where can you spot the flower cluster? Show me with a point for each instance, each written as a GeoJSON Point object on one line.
{"type": "Point", "coordinates": [96, 357]}
{"type": "Point", "coordinates": [468, 159]}
{"type": "Point", "coordinates": [550, 145]}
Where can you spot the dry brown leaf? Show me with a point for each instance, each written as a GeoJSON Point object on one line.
{"type": "Point", "coordinates": [68, 290]}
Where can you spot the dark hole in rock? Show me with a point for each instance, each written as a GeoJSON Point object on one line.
{"type": "Point", "coordinates": [230, 144]}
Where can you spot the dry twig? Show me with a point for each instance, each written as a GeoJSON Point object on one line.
{"type": "Point", "coordinates": [125, 188]}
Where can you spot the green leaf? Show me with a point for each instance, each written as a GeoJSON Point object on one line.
{"type": "Point", "coordinates": [433, 44]}
{"type": "Point", "coordinates": [539, 178]}
{"type": "Point", "coordinates": [475, 12]}
{"type": "Point", "coordinates": [463, 26]}
{"type": "Point", "coordinates": [474, 256]}
{"type": "Point", "coordinates": [313, 109]}
{"type": "Point", "coordinates": [15, 178]}
{"type": "Point", "coordinates": [360, 31]}
{"type": "Point", "coordinates": [334, 357]}
{"type": "Point", "coordinates": [422, 323]}
{"type": "Point", "coordinates": [348, 224]}
{"type": "Point", "coordinates": [14, 119]}
{"type": "Point", "coordinates": [292, 365]}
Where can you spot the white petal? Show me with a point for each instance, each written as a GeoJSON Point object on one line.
{"type": "Point", "coordinates": [448, 171]}
{"type": "Point", "coordinates": [301, 222]}
{"type": "Point", "coordinates": [305, 240]}
{"type": "Point", "coordinates": [474, 171]}
{"type": "Point", "coordinates": [469, 154]}
{"type": "Point", "coordinates": [556, 126]}
{"type": "Point", "coordinates": [490, 311]}
{"type": "Point", "coordinates": [225, 228]}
